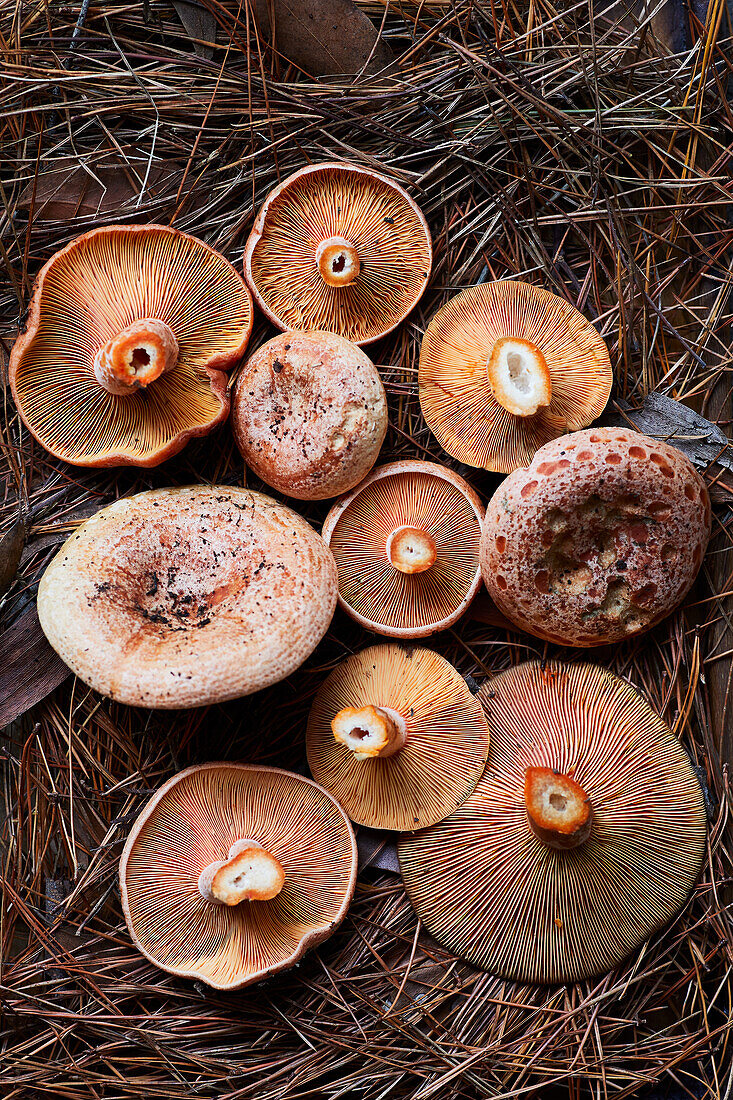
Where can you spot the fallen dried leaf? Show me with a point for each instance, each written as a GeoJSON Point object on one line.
{"type": "Point", "coordinates": [11, 549]}
{"type": "Point", "coordinates": [323, 36]}
{"type": "Point", "coordinates": [68, 190]}
{"type": "Point", "coordinates": [30, 669]}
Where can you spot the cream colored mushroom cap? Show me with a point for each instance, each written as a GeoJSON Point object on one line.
{"type": "Point", "coordinates": [189, 596]}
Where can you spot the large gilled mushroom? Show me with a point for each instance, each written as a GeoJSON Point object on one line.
{"type": "Point", "coordinates": [309, 414]}
{"type": "Point", "coordinates": [504, 368]}
{"type": "Point", "coordinates": [406, 545]}
{"type": "Point", "coordinates": [339, 248]}
{"type": "Point", "coordinates": [130, 331]}
{"type": "Point", "coordinates": [584, 835]}
{"type": "Point", "coordinates": [233, 871]}
{"type": "Point", "coordinates": [396, 737]}
{"type": "Point", "coordinates": [184, 597]}
{"type": "Point", "coordinates": [598, 539]}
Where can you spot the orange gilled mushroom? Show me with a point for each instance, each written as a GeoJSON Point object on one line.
{"type": "Point", "coordinates": [584, 835]}
{"type": "Point", "coordinates": [233, 871]}
{"type": "Point", "coordinates": [406, 544]}
{"type": "Point", "coordinates": [339, 248]}
{"type": "Point", "coordinates": [397, 737]}
{"type": "Point", "coordinates": [504, 368]}
{"type": "Point", "coordinates": [130, 332]}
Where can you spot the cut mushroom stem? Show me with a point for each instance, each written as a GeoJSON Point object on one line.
{"type": "Point", "coordinates": [558, 809]}
{"type": "Point", "coordinates": [136, 356]}
{"type": "Point", "coordinates": [519, 377]}
{"type": "Point", "coordinates": [250, 873]}
{"type": "Point", "coordinates": [369, 731]}
{"type": "Point", "coordinates": [338, 261]}
{"type": "Point", "coordinates": [411, 549]}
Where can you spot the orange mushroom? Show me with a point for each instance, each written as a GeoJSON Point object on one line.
{"type": "Point", "coordinates": [130, 332]}
{"type": "Point", "coordinates": [397, 737]}
{"type": "Point", "coordinates": [504, 368]}
{"type": "Point", "coordinates": [339, 248]}
{"type": "Point", "coordinates": [232, 872]}
{"type": "Point", "coordinates": [584, 835]}
{"type": "Point", "coordinates": [406, 545]}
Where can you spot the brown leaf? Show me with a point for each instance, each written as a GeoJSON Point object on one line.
{"type": "Point", "coordinates": [322, 36]}
{"type": "Point", "coordinates": [68, 190]}
{"type": "Point", "coordinates": [199, 23]}
{"type": "Point", "coordinates": [30, 669]}
{"type": "Point", "coordinates": [11, 549]}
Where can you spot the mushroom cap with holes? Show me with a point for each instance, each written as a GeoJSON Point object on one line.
{"type": "Point", "coordinates": [598, 539]}
{"type": "Point", "coordinates": [309, 414]}
{"type": "Point", "coordinates": [339, 201]}
{"type": "Point", "coordinates": [457, 399]}
{"type": "Point", "coordinates": [445, 745]}
{"type": "Point", "coordinates": [193, 820]}
{"type": "Point", "coordinates": [487, 888]}
{"type": "Point", "coordinates": [98, 285]}
{"type": "Point", "coordinates": [185, 597]}
{"type": "Point", "coordinates": [410, 494]}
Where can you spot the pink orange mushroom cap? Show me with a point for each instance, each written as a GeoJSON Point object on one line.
{"type": "Point", "coordinates": [406, 546]}
{"type": "Point", "coordinates": [233, 871]}
{"type": "Point", "coordinates": [339, 248]}
{"type": "Point", "coordinates": [130, 332]}
{"type": "Point", "coordinates": [584, 835]}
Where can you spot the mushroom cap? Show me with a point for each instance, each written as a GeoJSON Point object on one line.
{"type": "Point", "coordinates": [406, 494]}
{"type": "Point", "coordinates": [598, 539]}
{"type": "Point", "coordinates": [84, 296]}
{"type": "Point", "coordinates": [445, 746]}
{"type": "Point", "coordinates": [338, 200]}
{"type": "Point", "coordinates": [309, 414]}
{"type": "Point", "coordinates": [456, 398]}
{"type": "Point", "coordinates": [486, 887]}
{"type": "Point", "coordinates": [185, 597]}
{"type": "Point", "coordinates": [193, 820]}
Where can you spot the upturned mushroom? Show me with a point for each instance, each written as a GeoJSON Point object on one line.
{"type": "Point", "coordinates": [309, 414]}
{"type": "Point", "coordinates": [397, 737]}
{"type": "Point", "coordinates": [583, 837]}
{"type": "Point", "coordinates": [406, 544]}
{"type": "Point", "coordinates": [185, 597]}
{"type": "Point", "coordinates": [130, 332]}
{"type": "Point", "coordinates": [232, 872]}
{"type": "Point", "coordinates": [598, 539]}
{"type": "Point", "coordinates": [338, 248]}
{"type": "Point", "coordinates": [505, 367]}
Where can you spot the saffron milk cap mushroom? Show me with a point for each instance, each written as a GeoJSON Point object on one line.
{"type": "Point", "coordinates": [338, 248]}
{"type": "Point", "coordinates": [599, 538]}
{"type": "Point", "coordinates": [397, 737]}
{"type": "Point", "coordinates": [583, 837]}
{"type": "Point", "coordinates": [130, 331]}
{"type": "Point", "coordinates": [185, 597]}
{"type": "Point", "coordinates": [309, 414]}
{"type": "Point", "coordinates": [233, 871]}
{"type": "Point", "coordinates": [406, 544]}
{"type": "Point", "coordinates": [504, 368]}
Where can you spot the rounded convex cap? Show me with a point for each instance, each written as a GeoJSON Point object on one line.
{"type": "Point", "coordinates": [504, 368]}
{"type": "Point", "coordinates": [260, 922]}
{"type": "Point", "coordinates": [130, 330]}
{"type": "Point", "coordinates": [184, 597]}
{"type": "Point", "coordinates": [406, 544]}
{"type": "Point", "coordinates": [537, 896]}
{"type": "Point", "coordinates": [338, 248]}
{"type": "Point", "coordinates": [396, 737]}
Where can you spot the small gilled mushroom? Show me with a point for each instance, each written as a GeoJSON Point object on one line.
{"type": "Point", "coordinates": [130, 332]}
{"type": "Point", "coordinates": [233, 871]}
{"type": "Point", "coordinates": [185, 597]}
{"type": "Point", "coordinates": [406, 545]}
{"type": "Point", "coordinates": [599, 538]}
{"type": "Point", "coordinates": [338, 248]}
{"type": "Point", "coordinates": [396, 737]}
{"type": "Point", "coordinates": [309, 414]}
{"type": "Point", "coordinates": [583, 837]}
{"type": "Point", "coordinates": [504, 368]}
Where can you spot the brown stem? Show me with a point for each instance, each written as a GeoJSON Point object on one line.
{"type": "Point", "coordinates": [369, 731]}
{"type": "Point", "coordinates": [558, 809]}
{"type": "Point", "coordinates": [249, 873]}
{"type": "Point", "coordinates": [136, 356]}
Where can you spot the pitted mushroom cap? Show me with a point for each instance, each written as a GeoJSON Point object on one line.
{"type": "Point", "coordinates": [598, 539]}
{"type": "Point", "coordinates": [309, 414]}
{"type": "Point", "coordinates": [184, 597]}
